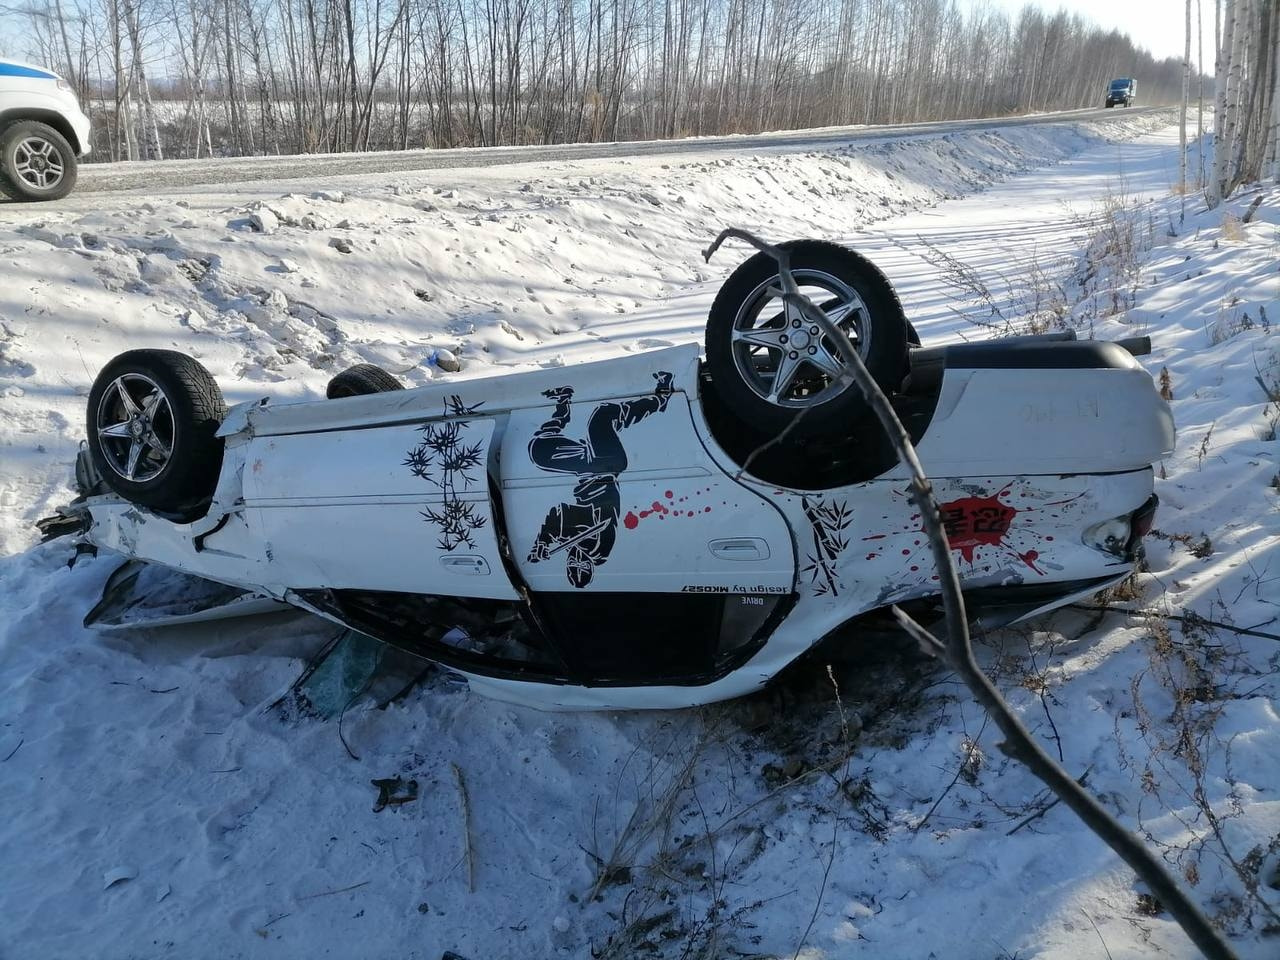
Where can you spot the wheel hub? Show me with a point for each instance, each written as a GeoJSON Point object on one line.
{"type": "Point", "coordinates": [786, 359]}
{"type": "Point", "coordinates": [136, 429]}
{"type": "Point", "coordinates": [38, 163]}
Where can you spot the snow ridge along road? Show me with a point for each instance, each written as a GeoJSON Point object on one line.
{"type": "Point", "coordinates": [168, 174]}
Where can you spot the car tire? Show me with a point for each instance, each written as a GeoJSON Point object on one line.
{"type": "Point", "coordinates": [37, 161]}
{"type": "Point", "coordinates": [913, 336]}
{"type": "Point", "coordinates": [740, 370]}
{"type": "Point", "coordinates": [360, 380]}
{"type": "Point", "coordinates": [153, 419]}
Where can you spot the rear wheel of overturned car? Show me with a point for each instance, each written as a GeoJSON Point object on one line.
{"type": "Point", "coordinates": [774, 369]}
{"type": "Point", "coordinates": [153, 420]}
{"type": "Point", "coordinates": [360, 380]}
{"type": "Point", "coordinates": [37, 161]}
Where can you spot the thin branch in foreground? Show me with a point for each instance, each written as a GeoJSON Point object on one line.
{"type": "Point", "coordinates": [958, 647]}
{"type": "Point", "coordinates": [1099, 933]}
{"type": "Point", "coordinates": [835, 815]}
{"type": "Point", "coordinates": [330, 893]}
{"type": "Point", "coordinates": [1037, 814]}
{"type": "Point", "coordinates": [466, 828]}
{"type": "Point", "coordinates": [956, 779]}
{"type": "Point", "coordinates": [1191, 618]}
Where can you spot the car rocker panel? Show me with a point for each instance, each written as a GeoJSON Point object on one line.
{"type": "Point", "coordinates": [479, 397]}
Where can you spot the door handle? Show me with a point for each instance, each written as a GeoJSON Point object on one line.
{"type": "Point", "coordinates": [466, 565]}
{"type": "Point", "coordinates": [740, 548]}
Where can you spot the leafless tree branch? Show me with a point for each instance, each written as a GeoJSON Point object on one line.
{"type": "Point", "coordinates": [957, 649]}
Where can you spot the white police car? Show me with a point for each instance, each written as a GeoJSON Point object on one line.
{"type": "Point", "coordinates": [42, 132]}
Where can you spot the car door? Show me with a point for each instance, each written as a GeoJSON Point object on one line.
{"type": "Point", "coordinates": [619, 495]}
{"type": "Point", "coordinates": [647, 562]}
{"type": "Point", "coordinates": [391, 508]}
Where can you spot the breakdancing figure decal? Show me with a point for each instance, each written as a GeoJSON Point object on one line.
{"type": "Point", "coordinates": [585, 529]}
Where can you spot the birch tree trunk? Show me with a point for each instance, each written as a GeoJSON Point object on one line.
{"type": "Point", "coordinates": [151, 147]}
{"type": "Point", "coordinates": [1223, 118]}
{"type": "Point", "coordinates": [1182, 125]}
{"type": "Point", "coordinates": [1235, 122]}
{"type": "Point", "coordinates": [1200, 84]}
{"type": "Point", "coordinates": [1271, 163]}
{"type": "Point", "coordinates": [1256, 92]}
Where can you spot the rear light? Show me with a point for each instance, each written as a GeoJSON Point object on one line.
{"type": "Point", "coordinates": [1142, 520]}
{"type": "Point", "coordinates": [1122, 536]}
{"type": "Point", "coordinates": [1110, 536]}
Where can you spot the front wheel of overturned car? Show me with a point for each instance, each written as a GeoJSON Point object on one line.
{"type": "Point", "coordinates": [775, 369]}
{"type": "Point", "coordinates": [361, 380]}
{"type": "Point", "coordinates": [153, 420]}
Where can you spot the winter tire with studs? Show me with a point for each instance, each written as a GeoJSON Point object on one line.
{"type": "Point", "coordinates": [153, 419]}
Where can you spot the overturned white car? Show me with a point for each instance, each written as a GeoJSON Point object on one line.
{"type": "Point", "coordinates": [658, 530]}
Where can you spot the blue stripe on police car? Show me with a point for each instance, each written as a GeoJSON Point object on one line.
{"type": "Point", "coordinates": [22, 70]}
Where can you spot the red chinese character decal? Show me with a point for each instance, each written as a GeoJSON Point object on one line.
{"type": "Point", "coordinates": [972, 522]}
{"type": "Point", "coordinates": [980, 529]}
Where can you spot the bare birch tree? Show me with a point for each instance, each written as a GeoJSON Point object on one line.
{"type": "Point", "coordinates": [194, 77]}
{"type": "Point", "coordinates": [1246, 94]}
{"type": "Point", "coordinates": [1182, 125]}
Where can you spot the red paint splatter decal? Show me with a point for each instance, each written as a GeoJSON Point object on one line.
{"type": "Point", "coordinates": [981, 528]}
{"type": "Point", "coordinates": [972, 522]}
{"type": "Point", "coordinates": [672, 508]}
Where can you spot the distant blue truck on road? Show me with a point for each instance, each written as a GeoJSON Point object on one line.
{"type": "Point", "coordinates": [1122, 91]}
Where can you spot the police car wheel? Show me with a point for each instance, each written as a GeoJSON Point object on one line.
{"type": "Point", "coordinates": [37, 161]}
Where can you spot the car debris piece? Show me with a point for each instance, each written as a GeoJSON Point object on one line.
{"type": "Point", "coordinates": [393, 791]}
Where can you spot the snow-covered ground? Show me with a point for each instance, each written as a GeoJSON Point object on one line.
{"type": "Point", "coordinates": [865, 812]}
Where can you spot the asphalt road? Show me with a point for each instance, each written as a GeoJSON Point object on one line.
{"type": "Point", "coordinates": [162, 174]}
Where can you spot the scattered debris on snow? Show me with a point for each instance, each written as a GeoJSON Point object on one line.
{"type": "Point", "coordinates": [117, 875]}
